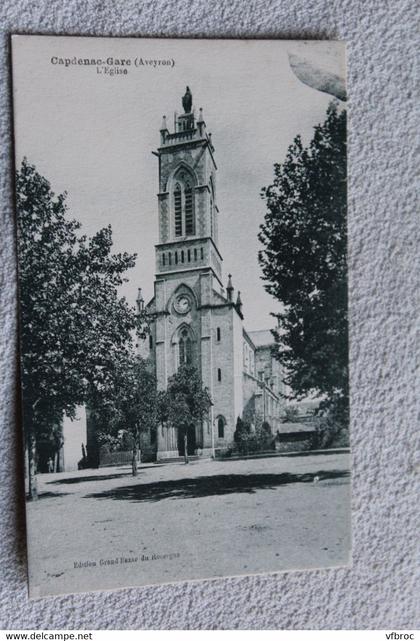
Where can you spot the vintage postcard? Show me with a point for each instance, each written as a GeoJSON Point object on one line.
{"type": "Point", "coordinates": [182, 246]}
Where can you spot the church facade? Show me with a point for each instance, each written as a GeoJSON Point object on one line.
{"type": "Point", "coordinates": [196, 317]}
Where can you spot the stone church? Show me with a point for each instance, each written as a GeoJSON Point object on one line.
{"type": "Point", "coordinates": [197, 317]}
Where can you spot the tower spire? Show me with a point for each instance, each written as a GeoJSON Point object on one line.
{"type": "Point", "coordinates": [239, 304]}
{"type": "Point", "coordinates": [229, 288]}
{"type": "Point", "coordinates": [140, 301]}
{"type": "Point", "coordinates": [163, 130]}
{"type": "Point", "coordinates": [200, 123]}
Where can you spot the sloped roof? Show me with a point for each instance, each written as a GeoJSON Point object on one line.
{"type": "Point", "coordinates": [262, 337]}
{"type": "Point", "coordinates": [290, 428]}
{"type": "Point", "coordinates": [219, 296]}
{"type": "Point", "coordinates": [150, 307]}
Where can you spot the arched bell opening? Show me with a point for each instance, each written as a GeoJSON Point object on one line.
{"type": "Point", "coordinates": [183, 202]}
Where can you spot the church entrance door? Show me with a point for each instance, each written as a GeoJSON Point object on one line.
{"type": "Point", "coordinates": [191, 444]}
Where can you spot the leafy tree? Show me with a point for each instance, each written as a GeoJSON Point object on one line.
{"type": "Point", "coordinates": [266, 428]}
{"type": "Point", "coordinates": [185, 402]}
{"type": "Point", "coordinates": [73, 323]}
{"type": "Point", "coordinates": [242, 428]}
{"type": "Point", "coordinates": [242, 435]}
{"type": "Point", "coordinates": [329, 432]}
{"type": "Point", "coordinates": [291, 414]}
{"type": "Point", "coordinates": [131, 404]}
{"type": "Point", "coordinates": [249, 440]}
{"type": "Point", "coordinates": [304, 263]}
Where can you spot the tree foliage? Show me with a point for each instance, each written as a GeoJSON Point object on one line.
{"type": "Point", "coordinates": [252, 435]}
{"type": "Point", "coordinates": [74, 325]}
{"type": "Point", "coordinates": [304, 262]}
{"type": "Point", "coordinates": [242, 429]}
{"type": "Point", "coordinates": [185, 401]}
{"type": "Point", "coordinates": [131, 402]}
{"type": "Point", "coordinates": [291, 414]}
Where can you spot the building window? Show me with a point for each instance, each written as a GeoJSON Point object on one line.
{"type": "Point", "coordinates": [176, 258]}
{"type": "Point", "coordinates": [202, 253]}
{"type": "Point", "coordinates": [219, 374]}
{"type": "Point", "coordinates": [170, 258]}
{"type": "Point", "coordinates": [220, 427]}
{"type": "Point", "coordinates": [185, 348]}
{"type": "Point", "coordinates": [163, 259]}
{"type": "Point", "coordinates": [189, 255]}
{"type": "Point", "coordinates": [195, 254]}
{"type": "Point", "coordinates": [150, 341]}
{"type": "Point", "coordinates": [182, 256]}
{"type": "Point", "coordinates": [218, 333]}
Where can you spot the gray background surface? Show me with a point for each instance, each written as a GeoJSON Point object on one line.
{"type": "Point", "coordinates": [381, 589]}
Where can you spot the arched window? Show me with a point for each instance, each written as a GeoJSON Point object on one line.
{"type": "Point", "coordinates": [185, 348]}
{"type": "Point", "coordinates": [178, 209]}
{"type": "Point", "coordinates": [183, 204]}
{"type": "Point", "coordinates": [221, 427]}
{"type": "Point", "coordinates": [189, 210]}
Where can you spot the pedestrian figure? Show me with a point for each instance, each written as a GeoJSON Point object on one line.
{"type": "Point", "coordinates": [50, 464]}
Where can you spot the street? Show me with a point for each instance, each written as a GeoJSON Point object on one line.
{"type": "Point", "coordinates": [102, 529]}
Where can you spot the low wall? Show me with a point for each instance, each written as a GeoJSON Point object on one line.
{"type": "Point", "coordinates": [107, 459]}
{"type": "Point", "coordinates": [294, 441]}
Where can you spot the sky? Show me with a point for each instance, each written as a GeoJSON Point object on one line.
{"type": "Point", "coordinates": [92, 135]}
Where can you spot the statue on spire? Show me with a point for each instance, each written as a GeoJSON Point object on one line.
{"type": "Point", "coordinates": [187, 100]}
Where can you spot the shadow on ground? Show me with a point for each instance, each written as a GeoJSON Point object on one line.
{"type": "Point", "coordinates": [51, 495]}
{"type": "Point", "coordinates": [84, 479]}
{"type": "Point", "coordinates": [101, 477]}
{"type": "Point", "coordinates": [203, 486]}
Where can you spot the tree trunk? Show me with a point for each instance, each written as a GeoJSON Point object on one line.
{"type": "Point", "coordinates": [134, 469]}
{"type": "Point", "coordinates": [186, 459]}
{"type": "Point", "coordinates": [32, 481]}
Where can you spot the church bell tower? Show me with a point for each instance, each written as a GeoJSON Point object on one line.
{"type": "Point", "coordinates": [195, 322]}
{"type": "Point", "coordinates": [187, 195]}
